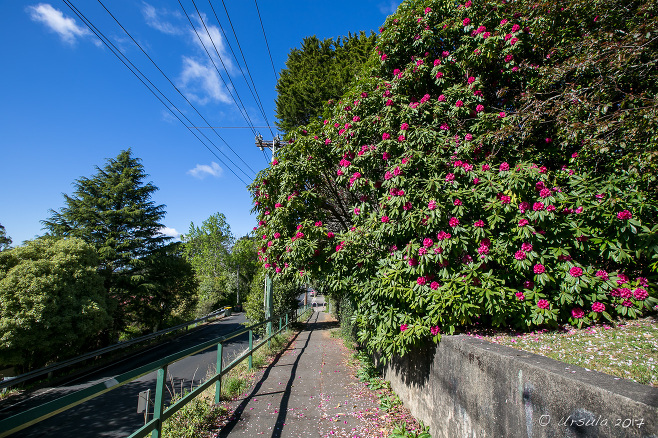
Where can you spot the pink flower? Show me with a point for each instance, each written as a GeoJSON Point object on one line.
{"type": "Point", "coordinates": [277, 235]}
{"type": "Point", "coordinates": [439, 74]}
{"type": "Point", "coordinates": [527, 247]}
{"type": "Point", "coordinates": [538, 206]}
{"type": "Point", "coordinates": [401, 138]}
{"type": "Point", "coordinates": [539, 268]}
{"type": "Point", "coordinates": [520, 255]}
{"type": "Point", "coordinates": [576, 271]}
{"type": "Point", "coordinates": [523, 222]}
{"type": "Point", "coordinates": [520, 296]}
{"type": "Point", "coordinates": [468, 137]}
{"type": "Point", "coordinates": [545, 193]}
{"type": "Point", "coordinates": [404, 127]}
{"type": "Point", "coordinates": [431, 205]}
{"type": "Point", "coordinates": [577, 312]}
{"type": "Point", "coordinates": [508, 58]}
{"type": "Point", "coordinates": [624, 215]}
{"type": "Point", "coordinates": [598, 307]}
{"type": "Point", "coordinates": [318, 224]}
{"type": "Point", "coordinates": [385, 156]}
{"type": "Point", "coordinates": [389, 102]}
{"type": "Point", "coordinates": [479, 108]}
{"type": "Point", "coordinates": [357, 210]}
{"type": "Point", "coordinates": [403, 327]}
{"type": "Point", "coordinates": [427, 242]}
{"type": "Point", "coordinates": [421, 281]}
{"type": "Point", "coordinates": [330, 235]}
{"type": "Point", "coordinates": [504, 199]}
{"type": "Point", "coordinates": [384, 219]}
{"type": "Point", "coordinates": [459, 104]}
{"type": "Point", "coordinates": [479, 223]}
{"type": "Point", "coordinates": [466, 21]}
{"type": "Point", "coordinates": [450, 177]}
{"type": "Point", "coordinates": [435, 330]}
{"type": "Point", "coordinates": [602, 274]}
{"type": "Point", "coordinates": [471, 79]}
{"type": "Point", "coordinates": [453, 221]}
{"type": "Point", "coordinates": [412, 262]}
{"type": "Point", "coordinates": [528, 284]}
{"type": "Point", "coordinates": [442, 235]}
{"type": "Point", "coordinates": [627, 303]}
{"type": "Point", "coordinates": [457, 202]}
{"type": "Point", "coordinates": [503, 167]}
{"type": "Point", "coordinates": [543, 304]}
{"type": "Point", "coordinates": [501, 115]}
{"type": "Point", "coordinates": [434, 285]}
{"type": "Point", "coordinates": [327, 141]}
{"type": "Point", "coordinates": [640, 294]}
{"type": "Point", "coordinates": [386, 136]}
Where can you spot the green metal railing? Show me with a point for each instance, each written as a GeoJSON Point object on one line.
{"type": "Point", "coordinates": [32, 416]}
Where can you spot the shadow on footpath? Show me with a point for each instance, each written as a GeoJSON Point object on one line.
{"type": "Point", "coordinates": [283, 407]}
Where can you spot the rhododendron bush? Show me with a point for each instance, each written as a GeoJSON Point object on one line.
{"type": "Point", "coordinates": [437, 194]}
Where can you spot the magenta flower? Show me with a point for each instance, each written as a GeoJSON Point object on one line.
{"type": "Point", "coordinates": [384, 219]}
{"type": "Point", "coordinates": [442, 235]}
{"type": "Point", "coordinates": [503, 167]}
{"type": "Point", "coordinates": [431, 205]}
{"type": "Point", "coordinates": [545, 193]}
{"type": "Point", "coordinates": [602, 274]}
{"type": "Point", "coordinates": [434, 285]}
{"type": "Point", "coordinates": [357, 210]}
{"type": "Point", "coordinates": [318, 224]}
{"type": "Point", "coordinates": [520, 296]}
{"type": "Point", "coordinates": [504, 199]}
{"type": "Point", "coordinates": [479, 108]}
{"type": "Point", "coordinates": [576, 271]}
{"type": "Point", "coordinates": [386, 156]}
{"type": "Point", "coordinates": [624, 215]}
{"type": "Point", "coordinates": [450, 177]}
{"type": "Point", "coordinates": [457, 202]}
{"type": "Point", "coordinates": [427, 242]}
{"type": "Point", "coordinates": [404, 127]}
{"type": "Point", "coordinates": [403, 327]}
{"type": "Point", "coordinates": [640, 294]}
{"type": "Point", "coordinates": [435, 330]}
{"type": "Point", "coordinates": [627, 303]}
{"type": "Point", "coordinates": [523, 222]}
{"type": "Point", "coordinates": [538, 206]}
{"type": "Point", "coordinates": [421, 281]}
{"type": "Point", "coordinates": [386, 136]}
{"type": "Point", "coordinates": [501, 115]}
{"type": "Point", "coordinates": [327, 141]}
{"type": "Point", "coordinates": [479, 223]}
{"type": "Point", "coordinates": [466, 21]}
{"type": "Point", "coordinates": [277, 235]}
{"type": "Point", "coordinates": [459, 104]}
{"type": "Point", "coordinates": [439, 75]}
{"type": "Point", "coordinates": [527, 247]}
{"type": "Point", "coordinates": [413, 262]}
{"type": "Point", "coordinates": [401, 138]}
{"type": "Point", "coordinates": [543, 304]}
{"type": "Point", "coordinates": [520, 255]}
{"type": "Point", "coordinates": [389, 102]}
{"type": "Point", "coordinates": [453, 221]}
{"type": "Point", "coordinates": [528, 284]}
{"type": "Point", "coordinates": [598, 307]}
{"type": "Point", "coordinates": [577, 313]}
{"type": "Point", "coordinates": [539, 268]}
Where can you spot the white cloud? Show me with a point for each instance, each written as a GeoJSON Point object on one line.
{"type": "Point", "coordinates": [154, 18]}
{"type": "Point", "coordinates": [54, 19]}
{"type": "Point", "coordinates": [201, 82]}
{"type": "Point", "coordinates": [216, 38]}
{"type": "Point", "coordinates": [203, 170]}
{"type": "Point", "coordinates": [170, 232]}
{"type": "Point", "coordinates": [388, 8]}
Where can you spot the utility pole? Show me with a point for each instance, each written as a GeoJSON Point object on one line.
{"type": "Point", "coordinates": [268, 298]}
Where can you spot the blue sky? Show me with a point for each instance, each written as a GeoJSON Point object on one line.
{"type": "Point", "coordinates": [67, 103]}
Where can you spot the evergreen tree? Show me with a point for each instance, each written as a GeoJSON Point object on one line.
{"type": "Point", "coordinates": [113, 212]}
{"type": "Point", "coordinates": [5, 241]}
{"type": "Point", "coordinates": [319, 71]}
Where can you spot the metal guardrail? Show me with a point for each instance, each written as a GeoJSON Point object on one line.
{"type": "Point", "coordinates": [42, 412]}
{"type": "Point", "coordinates": [12, 381]}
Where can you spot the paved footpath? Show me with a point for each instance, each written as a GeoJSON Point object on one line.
{"type": "Point", "coordinates": [308, 391]}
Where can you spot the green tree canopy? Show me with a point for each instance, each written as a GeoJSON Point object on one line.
{"type": "Point", "coordinates": [207, 248]}
{"type": "Point", "coordinates": [113, 211]}
{"type": "Point", "coordinates": [52, 301]}
{"type": "Point", "coordinates": [317, 72]}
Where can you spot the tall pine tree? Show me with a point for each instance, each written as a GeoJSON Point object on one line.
{"type": "Point", "coordinates": [114, 212]}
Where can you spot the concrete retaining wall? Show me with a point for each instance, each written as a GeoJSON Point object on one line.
{"type": "Point", "coordinates": [465, 387]}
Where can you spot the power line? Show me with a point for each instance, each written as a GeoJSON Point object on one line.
{"type": "Point", "coordinates": [245, 114]}
{"type": "Point", "coordinates": [116, 52]}
{"type": "Point", "coordinates": [245, 63]}
{"type": "Point", "coordinates": [176, 88]}
{"type": "Point", "coordinates": [276, 79]}
{"type": "Point", "coordinates": [237, 61]}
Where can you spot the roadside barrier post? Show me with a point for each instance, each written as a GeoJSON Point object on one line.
{"type": "Point", "coordinates": [251, 348]}
{"type": "Point", "coordinates": [159, 401]}
{"type": "Point", "coordinates": [218, 386]}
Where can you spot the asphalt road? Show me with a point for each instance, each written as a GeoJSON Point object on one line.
{"type": "Point", "coordinates": [114, 414]}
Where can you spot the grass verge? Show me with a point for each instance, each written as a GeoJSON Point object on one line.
{"type": "Point", "coordinates": [627, 350]}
